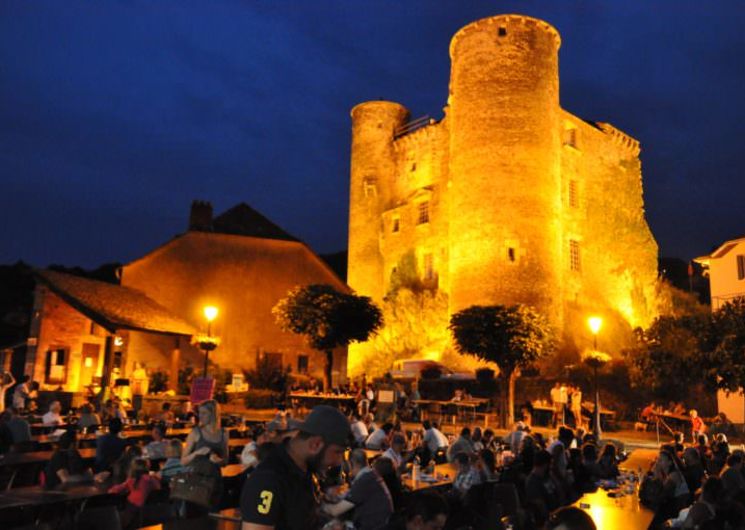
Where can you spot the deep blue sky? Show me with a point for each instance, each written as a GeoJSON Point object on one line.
{"type": "Point", "coordinates": [115, 115]}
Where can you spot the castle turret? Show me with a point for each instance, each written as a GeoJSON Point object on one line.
{"type": "Point", "coordinates": [372, 173]}
{"type": "Point", "coordinates": [505, 190]}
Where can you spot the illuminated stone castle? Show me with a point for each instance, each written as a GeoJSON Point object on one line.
{"type": "Point", "coordinates": [508, 198]}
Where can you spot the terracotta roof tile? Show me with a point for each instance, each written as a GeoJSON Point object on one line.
{"type": "Point", "coordinates": [114, 306]}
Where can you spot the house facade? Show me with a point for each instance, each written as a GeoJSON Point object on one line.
{"type": "Point", "coordinates": [85, 332]}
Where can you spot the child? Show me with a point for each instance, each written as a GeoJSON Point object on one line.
{"type": "Point", "coordinates": [172, 465]}
{"type": "Point", "coordinates": [138, 486]}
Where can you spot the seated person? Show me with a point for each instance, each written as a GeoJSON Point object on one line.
{"type": "Point", "coordinates": [250, 454]}
{"type": "Point", "coordinates": [384, 468]}
{"type": "Point", "coordinates": [649, 413]}
{"type": "Point", "coordinates": [166, 415]}
{"type": "Point", "coordinates": [466, 475]}
{"type": "Point", "coordinates": [156, 450]}
{"type": "Point", "coordinates": [66, 465]}
{"type": "Point", "coordinates": [368, 496]}
{"type": "Point", "coordinates": [138, 486]}
{"type": "Point", "coordinates": [88, 418]}
{"type": "Point", "coordinates": [378, 439]}
{"type": "Point", "coordinates": [425, 510]}
{"type": "Point", "coordinates": [18, 427]}
{"type": "Point", "coordinates": [359, 430]}
{"type": "Point", "coordinates": [52, 417]}
{"type": "Point", "coordinates": [395, 452]}
{"type": "Point", "coordinates": [541, 491]}
{"type": "Point", "coordinates": [172, 466]}
{"type": "Point", "coordinates": [110, 446]}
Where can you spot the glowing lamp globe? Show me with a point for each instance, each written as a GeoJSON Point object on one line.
{"type": "Point", "coordinates": [595, 324]}
{"type": "Point", "coordinates": [210, 313]}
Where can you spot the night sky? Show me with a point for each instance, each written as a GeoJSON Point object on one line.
{"type": "Point", "coordinates": [115, 115]}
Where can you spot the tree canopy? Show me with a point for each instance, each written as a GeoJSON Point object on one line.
{"type": "Point", "coordinates": [678, 353]}
{"type": "Point", "coordinates": [328, 318]}
{"type": "Point", "coordinates": [511, 336]}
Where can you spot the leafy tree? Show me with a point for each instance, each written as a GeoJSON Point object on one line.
{"type": "Point", "coordinates": [725, 348]}
{"type": "Point", "coordinates": [669, 358]}
{"type": "Point", "coordinates": [511, 336]}
{"type": "Point", "coordinates": [328, 319]}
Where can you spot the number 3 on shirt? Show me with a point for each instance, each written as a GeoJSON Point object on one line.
{"type": "Point", "coordinates": [266, 502]}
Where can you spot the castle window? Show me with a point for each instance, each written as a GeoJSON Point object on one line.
{"type": "Point", "coordinates": [574, 257]}
{"type": "Point", "coordinates": [302, 364]}
{"type": "Point", "coordinates": [371, 189]}
{"type": "Point", "coordinates": [423, 213]}
{"type": "Point", "coordinates": [395, 225]}
{"type": "Point", "coordinates": [413, 166]}
{"type": "Point", "coordinates": [429, 267]}
{"type": "Point", "coordinates": [573, 194]}
{"type": "Point", "coordinates": [511, 255]}
{"type": "Point", "coordinates": [570, 137]}
{"type": "Point", "coordinates": [741, 267]}
{"type": "Point", "coordinates": [502, 32]}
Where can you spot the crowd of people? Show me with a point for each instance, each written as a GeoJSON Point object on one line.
{"type": "Point", "coordinates": [353, 467]}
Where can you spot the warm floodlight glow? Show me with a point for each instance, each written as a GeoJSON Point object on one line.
{"type": "Point", "coordinates": [88, 362]}
{"type": "Point", "coordinates": [210, 313]}
{"type": "Point", "coordinates": [595, 323]}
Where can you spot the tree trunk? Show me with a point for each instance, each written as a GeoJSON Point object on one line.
{"type": "Point", "coordinates": [506, 399]}
{"type": "Point", "coordinates": [328, 370]}
{"type": "Point", "coordinates": [510, 399]}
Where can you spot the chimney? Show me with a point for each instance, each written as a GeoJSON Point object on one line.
{"type": "Point", "coordinates": [200, 217]}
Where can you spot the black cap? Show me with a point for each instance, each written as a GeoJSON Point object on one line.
{"type": "Point", "coordinates": [329, 423]}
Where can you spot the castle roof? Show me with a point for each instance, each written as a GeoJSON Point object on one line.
{"type": "Point", "coordinates": [242, 220]}
{"type": "Point", "coordinates": [114, 307]}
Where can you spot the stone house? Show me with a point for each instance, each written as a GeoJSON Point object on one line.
{"type": "Point", "coordinates": [239, 262]}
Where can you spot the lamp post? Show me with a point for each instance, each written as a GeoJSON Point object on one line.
{"type": "Point", "coordinates": [210, 313]}
{"type": "Point", "coordinates": [595, 323]}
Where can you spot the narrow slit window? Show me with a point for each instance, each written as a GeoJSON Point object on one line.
{"type": "Point", "coordinates": [741, 267]}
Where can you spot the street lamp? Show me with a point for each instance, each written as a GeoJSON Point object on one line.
{"type": "Point", "coordinates": [210, 313]}
{"type": "Point", "coordinates": [595, 361]}
{"type": "Point", "coordinates": [595, 324]}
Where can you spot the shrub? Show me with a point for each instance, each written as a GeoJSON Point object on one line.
{"type": "Point", "coordinates": [261, 398]}
{"type": "Point", "coordinates": [268, 375]}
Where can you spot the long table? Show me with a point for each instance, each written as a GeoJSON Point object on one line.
{"type": "Point", "coordinates": [444, 473]}
{"type": "Point", "coordinates": [624, 511]}
{"type": "Point", "coordinates": [619, 513]}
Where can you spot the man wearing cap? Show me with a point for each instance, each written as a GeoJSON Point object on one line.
{"type": "Point", "coordinates": [279, 494]}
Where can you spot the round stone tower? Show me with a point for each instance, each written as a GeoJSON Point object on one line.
{"type": "Point", "coordinates": [372, 172]}
{"type": "Point", "coordinates": [505, 194]}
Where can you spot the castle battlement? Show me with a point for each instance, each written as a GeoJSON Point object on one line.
{"type": "Point", "coordinates": [621, 138]}
{"type": "Point", "coordinates": [417, 136]}
{"type": "Point", "coordinates": [506, 22]}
